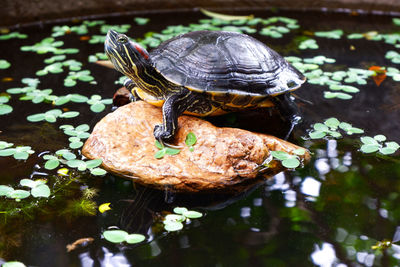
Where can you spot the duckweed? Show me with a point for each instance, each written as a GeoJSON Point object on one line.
{"type": "Point", "coordinates": [174, 222]}
{"type": "Point", "coordinates": [4, 108]}
{"type": "Point", "coordinates": [162, 151]}
{"type": "Point", "coordinates": [119, 236]}
{"type": "Point", "coordinates": [331, 128]}
{"type": "Point", "coordinates": [18, 152]}
{"type": "Point", "coordinates": [334, 34]}
{"type": "Point", "coordinates": [52, 115]}
{"type": "Point", "coordinates": [308, 44]}
{"type": "Point", "coordinates": [289, 161]}
{"type": "Point", "coordinates": [12, 35]}
{"type": "Point", "coordinates": [97, 104]}
{"type": "Point", "coordinates": [4, 64]}
{"type": "Point", "coordinates": [190, 140]}
{"type": "Point", "coordinates": [378, 143]}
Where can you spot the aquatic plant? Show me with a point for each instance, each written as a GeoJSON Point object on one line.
{"type": "Point", "coordinates": [331, 128]}
{"type": "Point", "coordinates": [164, 150]}
{"type": "Point", "coordinates": [287, 160]}
{"type": "Point", "coordinates": [191, 140]}
{"type": "Point", "coordinates": [52, 115]}
{"type": "Point", "coordinates": [378, 143]}
{"type": "Point", "coordinates": [18, 152]}
{"type": "Point", "coordinates": [4, 64]}
{"type": "Point", "coordinates": [4, 108]}
{"type": "Point", "coordinates": [174, 222]}
{"type": "Point", "coordinates": [97, 104]}
{"type": "Point", "coordinates": [119, 236]}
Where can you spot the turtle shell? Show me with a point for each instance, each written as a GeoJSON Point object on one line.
{"type": "Point", "coordinates": [221, 62]}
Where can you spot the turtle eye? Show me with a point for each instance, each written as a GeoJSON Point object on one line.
{"type": "Point", "coordinates": [122, 39]}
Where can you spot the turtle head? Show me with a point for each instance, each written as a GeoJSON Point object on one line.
{"type": "Point", "coordinates": [126, 55]}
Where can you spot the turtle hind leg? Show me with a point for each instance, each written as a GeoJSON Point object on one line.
{"type": "Point", "coordinates": [288, 110]}
{"type": "Point", "coordinates": [172, 108]}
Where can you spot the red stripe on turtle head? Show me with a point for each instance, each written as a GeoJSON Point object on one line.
{"type": "Point", "coordinates": [142, 51]}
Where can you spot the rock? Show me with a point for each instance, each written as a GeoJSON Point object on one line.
{"type": "Point", "coordinates": [222, 159]}
{"type": "Point", "coordinates": [121, 97]}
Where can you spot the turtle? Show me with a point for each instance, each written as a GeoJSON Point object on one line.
{"type": "Point", "coordinates": [205, 73]}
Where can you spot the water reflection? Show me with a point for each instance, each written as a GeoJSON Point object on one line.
{"type": "Point", "coordinates": [324, 256]}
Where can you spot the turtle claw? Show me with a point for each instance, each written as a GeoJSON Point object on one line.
{"type": "Point", "coordinates": [163, 137]}
{"type": "Point", "coordinates": [161, 134]}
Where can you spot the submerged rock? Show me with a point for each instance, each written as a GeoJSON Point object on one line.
{"type": "Point", "coordinates": [222, 158]}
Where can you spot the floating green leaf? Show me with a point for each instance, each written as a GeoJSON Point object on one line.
{"type": "Point", "coordinates": [173, 226]}
{"type": "Point", "coordinates": [134, 238]}
{"type": "Point", "coordinates": [53, 59]}
{"type": "Point", "coordinates": [13, 35]}
{"type": "Point", "coordinates": [93, 163]}
{"type": "Point", "coordinates": [5, 109]}
{"type": "Point", "coordinates": [97, 39]}
{"type": "Point", "coordinates": [30, 183]}
{"type": "Point", "coordinates": [49, 45]}
{"type": "Point", "coordinates": [394, 56]}
{"type": "Point", "coordinates": [19, 152]}
{"type": "Point", "coordinates": [119, 28]}
{"type": "Point", "coordinates": [308, 44]}
{"type": "Point", "coordinates": [73, 76]}
{"type": "Point", "coordinates": [7, 152]}
{"type": "Point", "coordinates": [52, 115]}
{"type": "Point", "coordinates": [377, 143]}
{"type": "Point", "coordinates": [4, 145]}
{"type": "Point", "coordinates": [331, 127]}
{"type": "Point", "coordinates": [4, 64]}
{"type": "Point", "coordinates": [224, 16]}
{"type": "Point", "coordinates": [141, 21]}
{"type": "Point", "coordinates": [38, 96]}
{"type": "Point", "coordinates": [191, 214]}
{"type": "Point", "coordinates": [51, 164]}
{"type": "Point", "coordinates": [4, 190]}
{"type": "Point", "coordinates": [13, 264]}
{"type": "Point", "coordinates": [369, 148]}
{"type": "Point", "coordinates": [98, 171]}
{"type": "Point", "coordinates": [289, 161]}
{"type": "Point", "coordinates": [92, 23]}
{"type": "Point", "coordinates": [115, 236]}
{"type": "Point", "coordinates": [41, 190]}
{"type": "Point", "coordinates": [31, 82]}
{"type": "Point", "coordinates": [97, 104]}
{"type": "Point", "coordinates": [344, 96]}
{"type": "Point", "coordinates": [334, 34]}
{"type": "Point", "coordinates": [180, 210]}
{"type": "Point", "coordinates": [18, 194]}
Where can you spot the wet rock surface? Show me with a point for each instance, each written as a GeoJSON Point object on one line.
{"type": "Point", "coordinates": [222, 159]}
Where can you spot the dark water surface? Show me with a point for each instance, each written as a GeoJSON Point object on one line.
{"type": "Point", "coordinates": [328, 213]}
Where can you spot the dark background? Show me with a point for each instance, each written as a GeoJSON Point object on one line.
{"type": "Point", "coordinates": [21, 11]}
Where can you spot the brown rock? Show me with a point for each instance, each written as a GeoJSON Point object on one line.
{"type": "Point", "coordinates": [121, 97]}
{"type": "Point", "coordinates": [223, 158]}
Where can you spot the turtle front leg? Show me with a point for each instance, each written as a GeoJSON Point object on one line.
{"type": "Point", "coordinates": [288, 110]}
{"type": "Point", "coordinates": [130, 85]}
{"type": "Point", "coordinates": [173, 107]}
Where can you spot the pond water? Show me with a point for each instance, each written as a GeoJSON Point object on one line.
{"type": "Point", "coordinates": [331, 212]}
